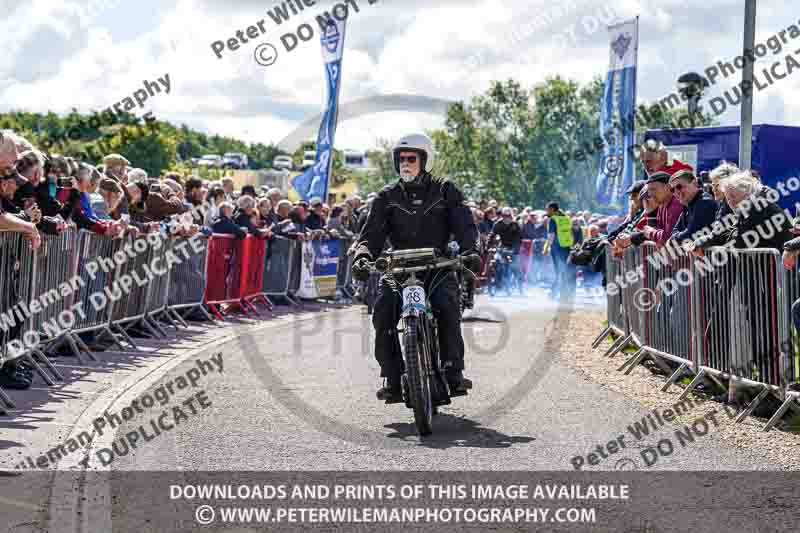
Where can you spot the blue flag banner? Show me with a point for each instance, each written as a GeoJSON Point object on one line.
{"type": "Point", "coordinates": [314, 181]}
{"type": "Point", "coordinates": [618, 115]}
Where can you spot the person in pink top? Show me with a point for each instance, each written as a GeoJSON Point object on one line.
{"type": "Point", "coordinates": [669, 207]}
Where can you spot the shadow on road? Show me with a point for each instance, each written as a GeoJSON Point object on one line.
{"type": "Point", "coordinates": [468, 319]}
{"type": "Point", "coordinates": [456, 432]}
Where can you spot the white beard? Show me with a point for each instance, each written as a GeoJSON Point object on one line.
{"type": "Point", "coordinates": [407, 177]}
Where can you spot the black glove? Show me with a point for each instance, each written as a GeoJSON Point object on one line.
{"type": "Point", "coordinates": [472, 261]}
{"type": "Point", "coordinates": [361, 269]}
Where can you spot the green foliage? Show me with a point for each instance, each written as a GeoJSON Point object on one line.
{"type": "Point", "coordinates": [525, 147]}
{"type": "Point", "coordinates": [151, 144]}
{"type": "Point", "coordinates": [384, 172]}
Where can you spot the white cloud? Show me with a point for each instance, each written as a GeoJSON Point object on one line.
{"type": "Point", "coordinates": [59, 55]}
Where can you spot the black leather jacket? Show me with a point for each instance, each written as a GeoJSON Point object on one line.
{"type": "Point", "coordinates": [418, 216]}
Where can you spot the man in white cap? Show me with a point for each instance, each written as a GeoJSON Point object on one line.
{"type": "Point", "coordinates": [316, 220]}
{"type": "Point", "coordinates": [418, 211]}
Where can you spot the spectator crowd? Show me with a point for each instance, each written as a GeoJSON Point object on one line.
{"type": "Point", "coordinates": [47, 194]}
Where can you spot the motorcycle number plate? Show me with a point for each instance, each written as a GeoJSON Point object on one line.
{"type": "Point", "coordinates": [414, 298]}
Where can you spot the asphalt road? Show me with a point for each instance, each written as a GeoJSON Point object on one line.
{"type": "Point", "coordinates": [301, 397]}
{"type": "Point", "coordinates": [296, 394]}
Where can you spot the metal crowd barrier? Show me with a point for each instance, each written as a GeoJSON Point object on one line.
{"type": "Point", "coordinates": [187, 281]}
{"type": "Point", "coordinates": [615, 305]}
{"type": "Point", "coordinates": [344, 275]}
{"type": "Point", "coordinates": [726, 317]}
{"type": "Point", "coordinates": [130, 311]}
{"type": "Point", "coordinates": [96, 315]}
{"type": "Point", "coordinates": [157, 309]}
{"type": "Point", "coordinates": [278, 268]}
{"type": "Point", "coordinates": [12, 291]}
{"type": "Point", "coordinates": [141, 290]}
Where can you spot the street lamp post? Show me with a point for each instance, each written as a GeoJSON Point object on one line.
{"type": "Point", "coordinates": [746, 128]}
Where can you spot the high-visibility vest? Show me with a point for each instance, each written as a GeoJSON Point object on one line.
{"type": "Point", "coordinates": [563, 230]}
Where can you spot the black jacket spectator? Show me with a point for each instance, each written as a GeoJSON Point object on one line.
{"type": "Point", "coordinates": [754, 229]}
{"type": "Point", "coordinates": [243, 220]}
{"type": "Point", "coordinates": [510, 233]}
{"type": "Point", "coordinates": [699, 214]}
{"type": "Point", "coordinates": [46, 199]}
{"type": "Point", "coordinates": [314, 222]}
{"type": "Point", "coordinates": [225, 226]}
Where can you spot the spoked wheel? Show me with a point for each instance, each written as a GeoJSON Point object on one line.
{"type": "Point", "coordinates": [419, 379]}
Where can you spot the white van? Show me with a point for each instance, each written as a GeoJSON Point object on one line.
{"type": "Point", "coordinates": [309, 159]}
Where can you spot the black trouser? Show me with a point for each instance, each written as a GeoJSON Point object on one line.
{"type": "Point", "coordinates": [445, 305]}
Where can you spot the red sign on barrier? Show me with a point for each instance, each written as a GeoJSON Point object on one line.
{"type": "Point", "coordinates": [235, 272]}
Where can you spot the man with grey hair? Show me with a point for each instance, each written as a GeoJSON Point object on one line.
{"type": "Point", "coordinates": [274, 196]}
{"type": "Point", "coordinates": [654, 156]}
{"type": "Point", "coordinates": [247, 216]}
{"type": "Point", "coordinates": [228, 186]}
{"type": "Point", "coordinates": [8, 159]}
{"type": "Point", "coordinates": [723, 170]}
{"type": "Point", "coordinates": [137, 174]}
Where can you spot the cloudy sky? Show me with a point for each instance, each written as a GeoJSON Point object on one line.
{"type": "Point", "coordinates": [63, 54]}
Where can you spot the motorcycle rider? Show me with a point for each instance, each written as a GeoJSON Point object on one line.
{"type": "Point", "coordinates": [510, 234]}
{"type": "Point", "coordinates": [418, 211]}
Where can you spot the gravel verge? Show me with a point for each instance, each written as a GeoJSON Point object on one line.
{"type": "Point", "coordinates": [780, 447]}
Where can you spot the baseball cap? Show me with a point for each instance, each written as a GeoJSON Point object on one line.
{"type": "Point", "coordinates": [315, 201]}
{"type": "Point", "coordinates": [636, 187]}
{"type": "Point", "coordinates": [115, 159]}
{"type": "Point", "coordinates": [661, 176]}
{"type": "Point", "coordinates": [681, 170]}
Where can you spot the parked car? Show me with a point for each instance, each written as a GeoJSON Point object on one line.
{"type": "Point", "coordinates": [210, 160]}
{"type": "Point", "coordinates": [234, 160]}
{"type": "Point", "coordinates": [282, 162]}
{"type": "Point", "coordinates": [309, 159]}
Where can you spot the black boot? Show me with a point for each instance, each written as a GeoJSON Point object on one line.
{"type": "Point", "coordinates": [11, 377]}
{"type": "Point", "coordinates": [457, 382]}
{"type": "Point", "coordinates": [391, 392]}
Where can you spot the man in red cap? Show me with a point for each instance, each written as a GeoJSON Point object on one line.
{"type": "Point", "coordinates": [669, 207]}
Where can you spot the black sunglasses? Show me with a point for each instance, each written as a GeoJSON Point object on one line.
{"type": "Point", "coordinates": [678, 187]}
{"type": "Point", "coordinates": [407, 159]}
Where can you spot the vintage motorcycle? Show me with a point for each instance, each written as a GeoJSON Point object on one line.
{"type": "Point", "coordinates": [424, 384]}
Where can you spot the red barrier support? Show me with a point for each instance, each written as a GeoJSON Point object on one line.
{"type": "Point", "coordinates": [223, 274]}
{"type": "Point", "coordinates": [253, 254]}
{"type": "Point", "coordinates": [525, 258]}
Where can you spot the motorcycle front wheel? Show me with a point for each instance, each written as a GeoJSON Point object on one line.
{"type": "Point", "coordinates": [419, 379]}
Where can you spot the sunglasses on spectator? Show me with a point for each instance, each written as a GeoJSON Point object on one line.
{"type": "Point", "coordinates": [408, 159]}
{"type": "Point", "coordinates": [678, 187]}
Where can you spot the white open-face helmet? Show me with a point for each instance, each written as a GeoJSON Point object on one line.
{"type": "Point", "coordinates": [417, 142]}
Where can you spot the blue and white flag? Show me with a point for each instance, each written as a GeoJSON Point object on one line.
{"type": "Point", "coordinates": [314, 181]}
{"type": "Point", "coordinates": [618, 115]}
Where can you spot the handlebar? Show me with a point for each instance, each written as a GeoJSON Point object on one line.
{"type": "Point", "coordinates": [383, 264]}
